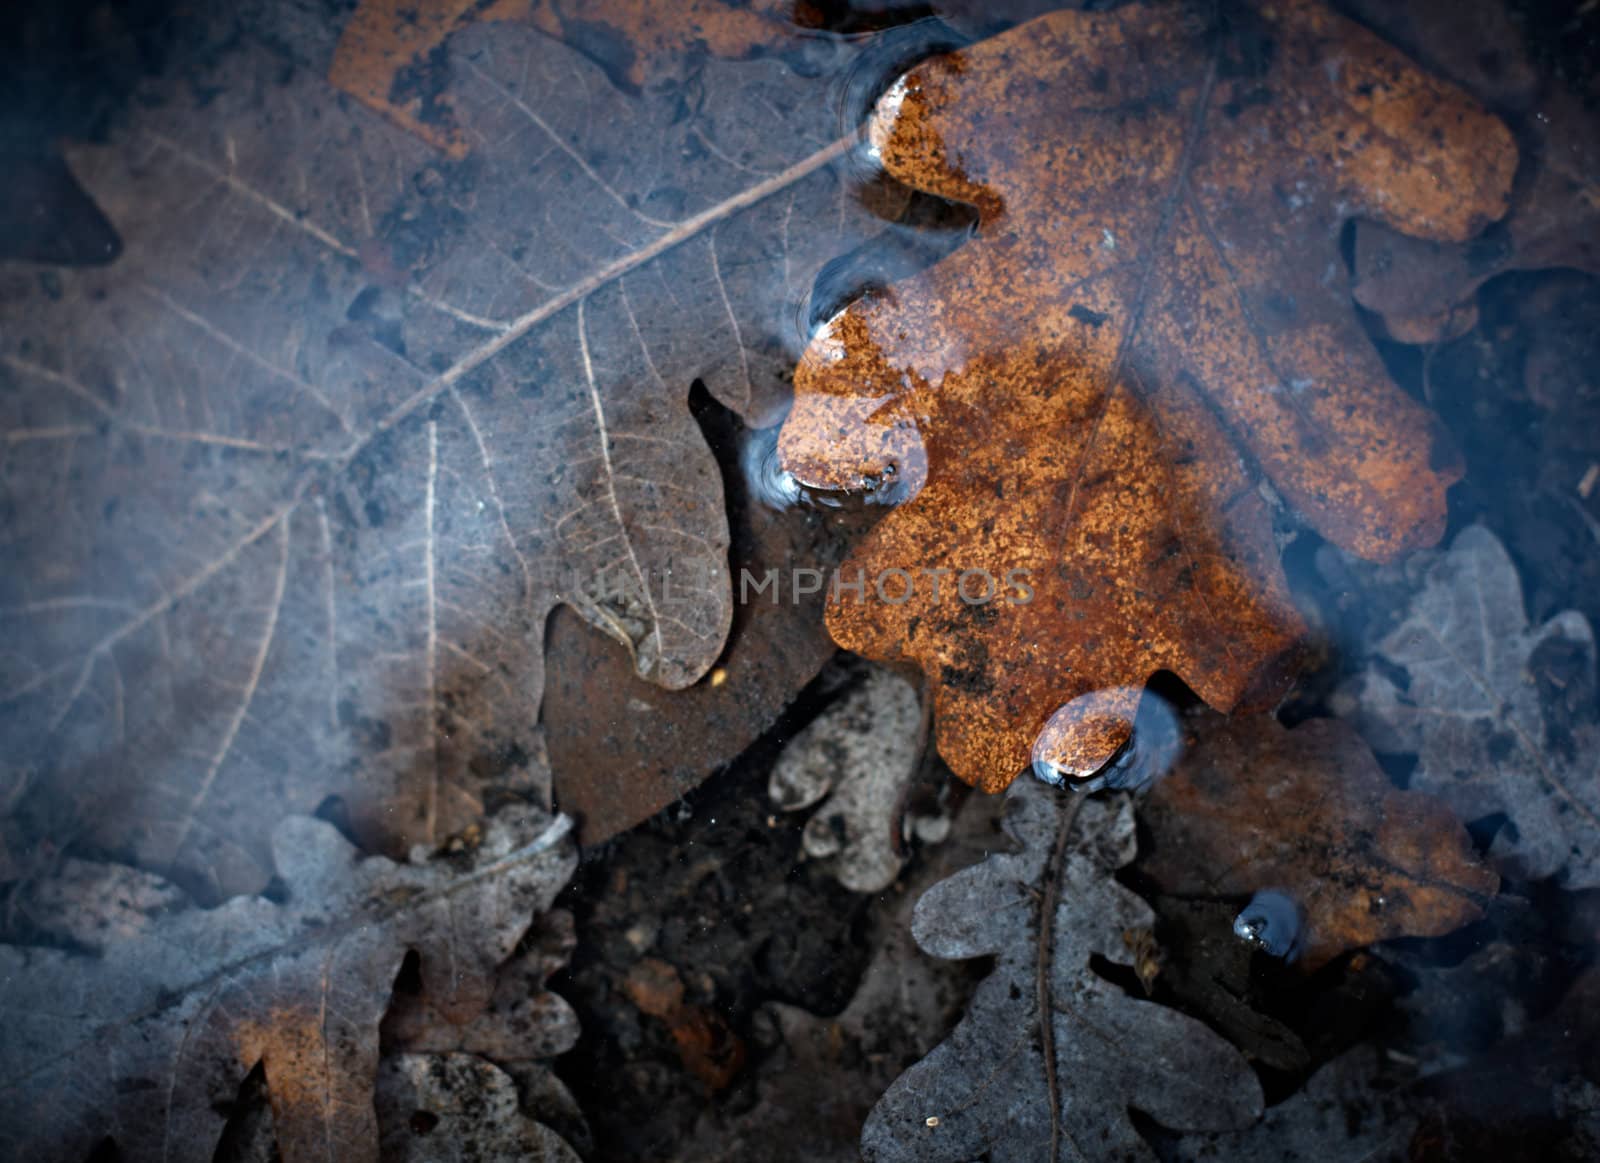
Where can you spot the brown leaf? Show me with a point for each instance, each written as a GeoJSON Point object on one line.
{"type": "Point", "coordinates": [1424, 289]}
{"type": "Point", "coordinates": [1308, 812]}
{"type": "Point", "coordinates": [147, 1037]}
{"type": "Point", "coordinates": [1477, 44]}
{"type": "Point", "coordinates": [622, 748]}
{"type": "Point", "coordinates": [1150, 325]}
{"type": "Point", "coordinates": [294, 485]}
{"type": "Point", "coordinates": [520, 1023]}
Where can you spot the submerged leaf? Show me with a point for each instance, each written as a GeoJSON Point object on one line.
{"type": "Point", "coordinates": [293, 486]}
{"type": "Point", "coordinates": [1085, 403]}
{"type": "Point", "coordinates": [1254, 807]}
{"type": "Point", "coordinates": [1468, 686]}
{"type": "Point", "coordinates": [1051, 1056]}
{"type": "Point", "coordinates": [1425, 289]}
{"type": "Point", "coordinates": [1353, 1110]}
{"type": "Point", "coordinates": [454, 1108]}
{"type": "Point", "coordinates": [147, 1038]}
{"type": "Point", "coordinates": [858, 759]}
{"type": "Point", "coordinates": [384, 55]}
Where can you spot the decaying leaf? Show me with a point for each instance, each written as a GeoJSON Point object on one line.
{"type": "Point", "coordinates": [1255, 806]}
{"type": "Point", "coordinates": [710, 1050]}
{"type": "Point", "coordinates": [292, 487]}
{"type": "Point", "coordinates": [1472, 690]}
{"type": "Point", "coordinates": [1151, 323]}
{"type": "Point", "coordinates": [454, 1108]}
{"type": "Point", "coordinates": [857, 759]}
{"type": "Point", "coordinates": [621, 747]}
{"type": "Point", "coordinates": [1354, 1110]}
{"type": "Point", "coordinates": [821, 1073]}
{"type": "Point", "coordinates": [385, 56]}
{"type": "Point", "coordinates": [1424, 288]}
{"type": "Point", "coordinates": [145, 1034]}
{"type": "Point", "coordinates": [520, 1029]}
{"type": "Point", "coordinates": [1050, 1057]}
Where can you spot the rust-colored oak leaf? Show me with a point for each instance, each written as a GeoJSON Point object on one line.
{"type": "Point", "coordinates": [1308, 812]}
{"type": "Point", "coordinates": [1151, 325]}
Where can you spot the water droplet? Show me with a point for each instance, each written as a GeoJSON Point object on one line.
{"type": "Point", "coordinates": [879, 69]}
{"type": "Point", "coordinates": [764, 475]}
{"type": "Point", "coordinates": [1272, 922]}
{"type": "Point", "coordinates": [1148, 752]}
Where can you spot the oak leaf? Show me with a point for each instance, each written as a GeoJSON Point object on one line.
{"type": "Point", "coordinates": [1255, 806]}
{"type": "Point", "coordinates": [293, 486]}
{"type": "Point", "coordinates": [1050, 1057]}
{"type": "Point", "coordinates": [1426, 290]}
{"type": "Point", "coordinates": [1151, 326]}
{"type": "Point", "coordinates": [1355, 1109]}
{"type": "Point", "coordinates": [858, 759]}
{"type": "Point", "coordinates": [454, 1108]}
{"type": "Point", "coordinates": [145, 1028]}
{"type": "Point", "coordinates": [385, 52]}
{"type": "Point", "coordinates": [1475, 693]}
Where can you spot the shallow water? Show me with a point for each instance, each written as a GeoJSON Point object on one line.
{"type": "Point", "coordinates": [412, 413]}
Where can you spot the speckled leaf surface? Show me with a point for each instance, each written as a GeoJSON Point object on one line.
{"type": "Point", "coordinates": [145, 1031]}
{"type": "Point", "coordinates": [1478, 694]}
{"type": "Point", "coordinates": [855, 765]}
{"type": "Point", "coordinates": [1050, 1057]}
{"type": "Point", "coordinates": [289, 490]}
{"type": "Point", "coordinates": [455, 1108]}
{"type": "Point", "coordinates": [1149, 341]}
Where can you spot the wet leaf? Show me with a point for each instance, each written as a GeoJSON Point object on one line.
{"type": "Point", "coordinates": [292, 487]}
{"type": "Point", "coordinates": [1150, 327]}
{"type": "Point", "coordinates": [1007, 1085]}
{"type": "Point", "coordinates": [1308, 812]}
{"type": "Point", "coordinates": [386, 55]}
{"type": "Point", "coordinates": [621, 747]}
{"type": "Point", "coordinates": [454, 1108]}
{"type": "Point", "coordinates": [1356, 1109]}
{"type": "Point", "coordinates": [520, 1028]}
{"type": "Point", "coordinates": [147, 1036]}
{"type": "Point", "coordinates": [1476, 693]}
{"type": "Point", "coordinates": [858, 760]}
{"type": "Point", "coordinates": [1425, 289]}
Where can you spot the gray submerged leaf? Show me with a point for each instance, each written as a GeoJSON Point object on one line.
{"type": "Point", "coordinates": [1006, 1085]}
{"type": "Point", "coordinates": [147, 1038]}
{"type": "Point", "coordinates": [1458, 684]}
{"type": "Point", "coordinates": [1350, 1111]}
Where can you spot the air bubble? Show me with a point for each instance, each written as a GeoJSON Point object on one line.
{"type": "Point", "coordinates": [1273, 923]}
